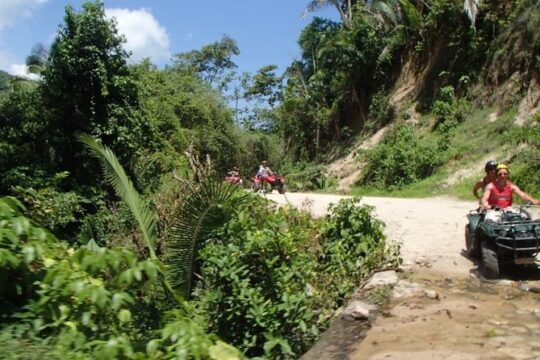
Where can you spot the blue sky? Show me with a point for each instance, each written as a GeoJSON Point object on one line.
{"type": "Point", "coordinates": [266, 31]}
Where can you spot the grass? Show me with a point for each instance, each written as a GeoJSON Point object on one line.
{"type": "Point", "coordinates": [471, 142]}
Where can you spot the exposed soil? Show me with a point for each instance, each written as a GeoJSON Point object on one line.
{"type": "Point", "coordinates": [469, 318]}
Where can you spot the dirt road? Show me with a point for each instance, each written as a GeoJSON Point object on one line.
{"type": "Point", "coordinates": [467, 318]}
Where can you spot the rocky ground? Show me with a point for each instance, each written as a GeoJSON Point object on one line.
{"type": "Point", "coordinates": [440, 308]}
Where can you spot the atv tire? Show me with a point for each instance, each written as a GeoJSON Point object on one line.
{"type": "Point", "coordinates": [471, 246]}
{"type": "Point", "coordinates": [489, 262]}
{"type": "Point", "coordinates": [281, 189]}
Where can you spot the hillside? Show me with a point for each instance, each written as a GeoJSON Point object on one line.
{"type": "Point", "coordinates": [4, 81]}
{"type": "Point", "coordinates": [473, 111]}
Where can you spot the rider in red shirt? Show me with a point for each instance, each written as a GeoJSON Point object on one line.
{"type": "Point", "coordinates": [499, 192]}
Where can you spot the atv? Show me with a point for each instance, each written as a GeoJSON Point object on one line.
{"type": "Point", "coordinates": [502, 238]}
{"type": "Point", "coordinates": [268, 183]}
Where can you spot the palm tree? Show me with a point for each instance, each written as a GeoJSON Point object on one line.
{"type": "Point", "coordinates": [344, 8]}
{"type": "Point", "coordinates": [205, 207]}
{"type": "Point", "coordinates": [471, 9]}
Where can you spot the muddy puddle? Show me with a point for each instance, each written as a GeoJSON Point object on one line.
{"type": "Point", "coordinates": [468, 318]}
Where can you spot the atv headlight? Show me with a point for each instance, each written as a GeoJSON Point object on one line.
{"type": "Point", "coordinates": [503, 232]}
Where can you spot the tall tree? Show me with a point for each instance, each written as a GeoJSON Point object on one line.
{"type": "Point", "coordinates": [212, 61]}
{"type": "Point", "coordinates": [265, 85]}
{"type": "Point", "coordinates": [88, 88]}
{"type": "Point", "coordinates": [37, 59]}
{"type": "Point", "coordinates": [344, 8]}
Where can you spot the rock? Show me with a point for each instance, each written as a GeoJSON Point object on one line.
{"type": "Point", "coordinates": [432, 294]}
{"type": "Point", "coordinates": [405, 289]}
{"type": "Point", "coordinates": [382, 278]}
{"type": "Point", "coordinates": [358, 310]}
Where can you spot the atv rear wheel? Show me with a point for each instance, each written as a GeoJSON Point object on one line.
{"type": "Point", "coordinates": [470, 244]}
{"type": "Point", "coordinates": [489, 262]}
{"type": "Point", "coordinates": [281, 189]}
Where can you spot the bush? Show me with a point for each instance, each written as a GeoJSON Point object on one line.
{"type": "Point", "coordinates": [403, 158]}
{"type": "Point", "coordinates": [272, 279]}
{"type": "Point", "coordinates": [89, 303]}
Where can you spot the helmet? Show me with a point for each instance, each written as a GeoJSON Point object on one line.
{"type": "Point", "coordinates": [264, 162]}
{"type": "Point", "coordinates": [502, 167]}
{"type": "Point", "coordinates": [491, 165]}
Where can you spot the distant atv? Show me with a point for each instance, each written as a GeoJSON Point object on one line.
{"type": "Point", "coordinates": [510, 237]}
{"type": "Point", "coordinates": [268, 183]}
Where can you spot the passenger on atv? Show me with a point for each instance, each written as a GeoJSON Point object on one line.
{"type": "Point", "coordinates": [490, 169]}
{"type": "Point", "coordinates": [499, 193]}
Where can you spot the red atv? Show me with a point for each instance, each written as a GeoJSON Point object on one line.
{"type": "Point", "coordinates": [234, 179]}
{"type": "Point", "coordinates": [268, 183]}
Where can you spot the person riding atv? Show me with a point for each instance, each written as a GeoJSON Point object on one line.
{"type": "Point", "coordinates": [499, 234]}
{"type": "Point", "coordinates": [266, 176]}
{"type": "Point", "coordinates": [264, 170]}
{"type": "Point", "coordinates": [233, 176]}
{"type": "Point", "coordinates": [499, 193]}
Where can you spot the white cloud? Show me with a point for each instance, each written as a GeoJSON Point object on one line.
{"type": "Point", "coordinates": [145, 36]}
{"type": "Point", "coordinates": [22, 71]}
{"type": "Point", "coordinates": [13, 10]}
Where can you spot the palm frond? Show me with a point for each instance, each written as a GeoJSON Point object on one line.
{"type": "Point", "coordinates": [116, 176]}
{"type": "Point", "coordinates": [471, 9]}
{"type": "Point", "coordinates": [203, 210]}
{"type": "Point", "coordinates": [385, 10]}
{"type": "Point", "coordinates": [411, 14]}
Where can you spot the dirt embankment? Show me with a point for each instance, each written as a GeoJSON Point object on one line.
{"type": "Point", "coordinates": [468, 318]}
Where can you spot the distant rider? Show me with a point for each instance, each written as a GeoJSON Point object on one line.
{"type": "Point", "coordinates": [234, 176]}
{"type": "Point", "coordinates": [264, 171]}
{"type": "Point", "coordinates": [235, 172]}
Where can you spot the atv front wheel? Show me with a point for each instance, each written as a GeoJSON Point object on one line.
{"type": "Point", "coordinates": [281, 189]}
{"type": "Point", "coordinates": [489, 262]}
{"type": "Point", "coordinates": [470, 244]}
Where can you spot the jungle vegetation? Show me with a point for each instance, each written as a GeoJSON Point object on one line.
{"type": "Point", "coordinates": [118, 238]}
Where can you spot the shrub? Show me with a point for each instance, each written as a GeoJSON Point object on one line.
{"type": "Point", "coordinates": [403, 158]}
{"type": "Point", "coordinates": [272, 279]}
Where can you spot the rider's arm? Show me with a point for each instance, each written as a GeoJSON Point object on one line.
{"type": "Point", "coordinates": [484, 202]}
{"type": "Point", "coordinates": [523, 195]}
{"type": "Point", "coordinates": [477, 187]}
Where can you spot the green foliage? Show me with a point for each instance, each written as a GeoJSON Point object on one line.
{"type": "Point", "coordinates": [381, 111]}
{"type": "Point", "coordinates": [203, 209]}
{"type": "Point", "coordinates": [329, 89]}
{"type": "Point", "coordinates": [401, 159]}
{"type": "Point", "coordinates": [88, 303]}
{"type": "Point", "coordinates": [116, 176]}
{"type": "Point", "coordinates": [527, 173]}
{"type": "Point", "coordinates": [265, 85]}
{"type": "Point", "coordinates": [267, 274]}
{"type": "Point", "coordinates": [212, 61]}
{"type": "Point", "coordinates": [23, 143]}
{"type": "Point", "coordinates": [26, 249]}
{"type": "Point", "coordinates": [87, 87]}
{"type": "Point", "coordinates": [353, 244]}
{"type": "Point", "coordinates": [60, 212]}
{"type": "Point", "coordinates": [308, 177]}
{"type": "Point", "coordinates": [4, 82]}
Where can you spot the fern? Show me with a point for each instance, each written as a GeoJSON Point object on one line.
{"type": "Point", "coordinates": [204, 209]}
{"type": "Point", "coordinates": [116, 176]}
